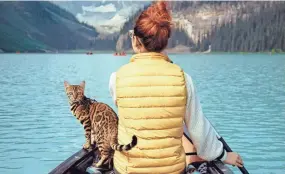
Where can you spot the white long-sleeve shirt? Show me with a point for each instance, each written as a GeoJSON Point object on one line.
{"type": "Point", "coordinates": [199, 128]}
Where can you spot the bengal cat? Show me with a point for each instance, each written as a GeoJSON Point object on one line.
{"type": "Point", "coordinates": [100, 123]}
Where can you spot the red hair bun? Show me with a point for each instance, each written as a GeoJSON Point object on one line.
{"type": "Point", "coordinates": [153, 27]}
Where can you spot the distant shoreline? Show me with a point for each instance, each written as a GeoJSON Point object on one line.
{"type": "Point", "coordinates": [128, 53]}
{"type": "Point", "coordinates": [177, 50]}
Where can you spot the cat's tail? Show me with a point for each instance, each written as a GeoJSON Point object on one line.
{"type": "Point", "coordinates": [119, 147]}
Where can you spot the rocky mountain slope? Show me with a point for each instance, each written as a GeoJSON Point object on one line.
{"type": "Point", "coordinates": [256, 28]}
{"type": "Point", "coordinates": [226, 26]}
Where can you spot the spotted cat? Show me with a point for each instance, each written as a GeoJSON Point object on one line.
{"type": "Point", "coordinates": [100, 123]}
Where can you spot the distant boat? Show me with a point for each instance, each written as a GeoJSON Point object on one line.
{"type": "Point", "coordinates": [120, 54]}
{"type": "Point", "coordinates": [89, 53]}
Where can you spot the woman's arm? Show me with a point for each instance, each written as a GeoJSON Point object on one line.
{"type": "Point", "coordinates": [112, 87]}
{"type": "Point", "coordinates": [201, 131]}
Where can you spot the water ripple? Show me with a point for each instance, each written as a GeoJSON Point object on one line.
{"type": "Point", "coordinates": [243, 96]}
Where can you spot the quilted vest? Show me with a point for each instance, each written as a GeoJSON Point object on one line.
{"type": "Point", "coordinates": [151, 98]}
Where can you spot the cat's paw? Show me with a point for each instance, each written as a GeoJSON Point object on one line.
{"type": "Point", "coordinates": [87, 146]}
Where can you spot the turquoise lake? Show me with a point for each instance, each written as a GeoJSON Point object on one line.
{"type": "Point", "coordinates": [242, 95]}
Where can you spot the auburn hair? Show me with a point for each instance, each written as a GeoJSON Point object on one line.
{"type": "Point", "coordinates": [153, 27]}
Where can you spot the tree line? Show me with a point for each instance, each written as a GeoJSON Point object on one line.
{"type": "Point", "coordinates": [260, 32]}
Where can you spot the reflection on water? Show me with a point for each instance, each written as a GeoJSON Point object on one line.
{"type": "Point", "coordinates": [243, 96]}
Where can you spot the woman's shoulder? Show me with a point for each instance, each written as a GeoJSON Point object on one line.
{"type": "Point", "coordinates": [189, 81]}
{"type": "Point", "coordinates": [112, 78]}
{"type": "Point", "coordinates": [113, 75]}
{"type": "Point", "coordinates": [188, 77]}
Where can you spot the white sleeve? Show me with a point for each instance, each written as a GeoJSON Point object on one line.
{"type": "Point", "coordinates": [112, 86]}
{"type": "Point", "coordinates": [199, 128]}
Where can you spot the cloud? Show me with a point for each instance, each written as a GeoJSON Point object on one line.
{"type": "Point", "coordinates": [101, 9]}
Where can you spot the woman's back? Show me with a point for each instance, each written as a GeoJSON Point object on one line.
{"type": "Point", "coordinates": [151, 100]}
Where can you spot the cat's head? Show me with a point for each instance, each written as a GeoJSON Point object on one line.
{"type": "Point", "coordinates": [75, 93]}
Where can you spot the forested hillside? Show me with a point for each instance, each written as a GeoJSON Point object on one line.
{"type": "Point", "coordinates": [226, 26]}
{"type": "Point", "coordinates": [40, 26]}
{"type": "Point", "coordinates": [262, 31]}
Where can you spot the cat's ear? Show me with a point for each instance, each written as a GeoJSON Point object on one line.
{"type": "Point", "coordinates": [66, 84]}
{"type": "Point", "coordinates": [82, 84]}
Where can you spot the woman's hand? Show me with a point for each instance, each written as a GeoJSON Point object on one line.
{"type": "Point", "coordinates": [234, 159]}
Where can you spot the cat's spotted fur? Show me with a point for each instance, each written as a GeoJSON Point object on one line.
{"type": "Point", "coordinates": [100, 123]}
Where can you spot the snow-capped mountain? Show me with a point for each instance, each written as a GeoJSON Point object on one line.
{"type": "Point", "coordinates": [107, 17]}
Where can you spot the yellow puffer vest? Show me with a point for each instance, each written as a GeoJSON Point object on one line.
{"type": "Point", "coordinates": [151, 99]}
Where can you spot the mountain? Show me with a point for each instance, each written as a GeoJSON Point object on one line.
{"type": "Point", "coordinates": [225, 26]}
{"type": "Point", "coordinates": [257, 29]}
{"type": "Point", "coordinates": [106, 16]}
{"type": "Point", "coordinates": [40, 26]}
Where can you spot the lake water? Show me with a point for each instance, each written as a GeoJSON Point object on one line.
{"type": "Point", "coordinates": [242, 95]}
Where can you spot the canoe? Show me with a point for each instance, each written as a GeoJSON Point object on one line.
{"type": "Point", "coordinates": [78, 163]}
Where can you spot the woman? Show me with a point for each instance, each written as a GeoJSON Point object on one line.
{"type": "Point", "coordinates": [154, 97]}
